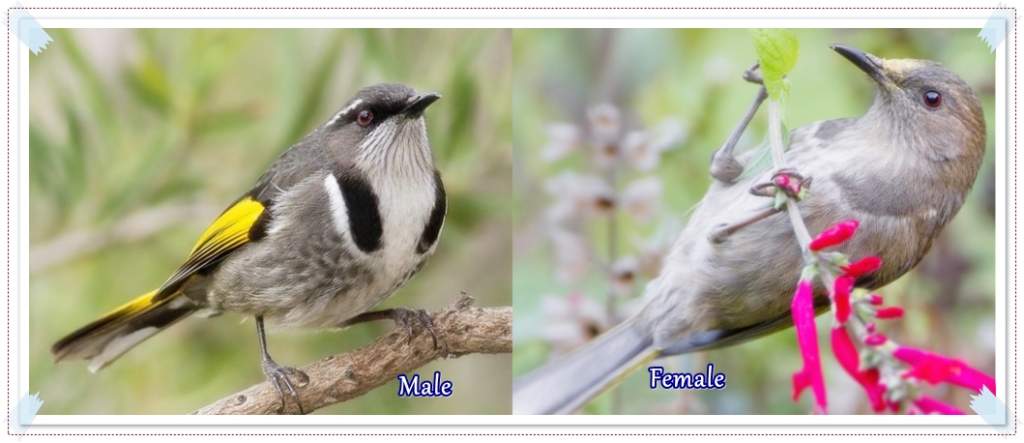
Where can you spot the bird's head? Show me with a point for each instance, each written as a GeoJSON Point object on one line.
{"type": "Point", "coordinates": [923, 105]}
{"type": "Point", "coordinates": [382, 128]}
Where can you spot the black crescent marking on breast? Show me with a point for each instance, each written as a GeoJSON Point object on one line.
{"type": "Point", "coordinates": [364, 221]}
{"type": "Point", "coordinates": [433, 228]}
{"type": "Point", "coordinates": [259, 229]}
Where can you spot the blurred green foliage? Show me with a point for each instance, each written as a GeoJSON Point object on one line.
{"type": "Point", "coordinates": [695, 75]}
{"type": "Point", "coordinates": [124, 121]}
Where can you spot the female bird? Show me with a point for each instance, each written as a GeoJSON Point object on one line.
{"type": "Point", "coordinates": [902, 169]}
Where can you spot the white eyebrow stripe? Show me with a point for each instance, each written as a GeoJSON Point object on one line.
{"type": "Point", "coordinates": [345, 111]}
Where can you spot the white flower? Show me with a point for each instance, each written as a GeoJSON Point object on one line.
{"type": "Point", "coordinates": [638, 151]}
{"type": "Point", "coordinates": [623, 275]}
{"type": "Point", "coordinates": [563, 138]}
{"type": "Point", "coordinates": [605, 124]}
{"type": "Point", "coordinates": [571, 320]}
{"type": "Point", "coordinates": [606, 155]}
{"type": "Point", "coordinates": [578, 194]}
{"type": "Point", "coordinates": [572, 254]}
{"type": "Point", "coordinates": [641, 198]}
{"type": "Point", "coordinates": [643, 149]}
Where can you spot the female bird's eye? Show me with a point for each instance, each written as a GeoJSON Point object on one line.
{"type": "Point", "coordinates": [364, 118]}
{"type": "Point", "coordinates": [933, 99]}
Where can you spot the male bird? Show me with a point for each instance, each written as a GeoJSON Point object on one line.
{"type": "Point", "coordinates": [902, 169]}
{"type": "Point", "coordinates": [340, 221]}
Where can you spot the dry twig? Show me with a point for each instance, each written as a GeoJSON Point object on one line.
{"type": "Point", "coordinates": [461, 329]}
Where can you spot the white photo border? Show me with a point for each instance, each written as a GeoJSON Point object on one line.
{"type": "Point", "coordinates": [814, 17]}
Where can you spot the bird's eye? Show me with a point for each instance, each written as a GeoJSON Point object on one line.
{"type": "Point", "coordinates": [933, 99]}
{"type": "Point", "coordinates": [364, 118]}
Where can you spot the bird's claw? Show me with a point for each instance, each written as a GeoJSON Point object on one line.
{"type": "Point", "coordinates": [790, 182]}
{"type": "Point", "coordinates": [724, 166]}
{"type": "Point", "coordinates": [753, 74]}
{"type": "Point", "coordinates": [413, 320]}
{"type": "Point", "coordinates": [723, 231]}
{"type": "Point", "coordinates": [281, 378]}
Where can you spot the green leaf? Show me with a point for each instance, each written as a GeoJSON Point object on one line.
{"type": "Point", "coordinates": [99, 98]}
{"type": "Point", "coordinates": [149, 85]}
{"type": "Point", "coordinates": [41, 153]}
{"type": "Point", "coordinates": [463, 92]}
{"type": "Point", "coordinates": [777, 51]}
{"type": "Point", "coordinates": [226, 120]}
{"type": "Point", "coordinates": [74, 157]}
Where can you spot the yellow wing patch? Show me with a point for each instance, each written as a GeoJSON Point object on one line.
{"type": "Point", "coordinates": [229, 231]}
{"type": "Point", "coordinates": [238, 219]}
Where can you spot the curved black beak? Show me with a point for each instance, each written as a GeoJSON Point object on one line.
{"type": "Point", "coordinates": [418, 103]}
{"type": "Point", "coordinates": [866, 62]}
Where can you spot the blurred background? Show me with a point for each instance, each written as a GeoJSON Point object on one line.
{"type": "Point", "coordinates": [139, 138]}
{"type": "Point", "coordinates": [614, 130]}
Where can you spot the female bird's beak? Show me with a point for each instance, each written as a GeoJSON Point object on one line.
{"type": "Point", "coordinates": [866, 62]}
{"type": "Point", "coordinates": [418, 103]}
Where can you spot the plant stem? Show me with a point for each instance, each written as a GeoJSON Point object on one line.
{"type": "Point", "coordinates": [613, 245]}
{"type": "Point", "coordinates": [613, 253]}
{"type": "Point", "coordinates": [803, 235]}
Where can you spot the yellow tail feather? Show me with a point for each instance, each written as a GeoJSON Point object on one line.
{"type": "Point", "coordinates": [107, 338]}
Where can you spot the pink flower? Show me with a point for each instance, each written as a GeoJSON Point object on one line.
{"type": "Point", "coordinates": [788, 184]}
{"type": "Point", "coordinates": [841, 296]}
{"type": "Point", "coordinates": [810, 375]}
{"type": "Point", "coordinates": [934, 368]}
{"type": "Point", "coordinates": [928, 405]}
{"type": "Point", "coordinates": [876, 339]}
{"type": "Point", "coordinates": [890, 312]}
{"type": "Point", "coordinates": [864, 266]}
{"type": "Point", "coordinates": [836, 234]}
{"type": "Point", "coordinates": [847, 356]}
{"type": "Point", "coordinates": [876, 299]}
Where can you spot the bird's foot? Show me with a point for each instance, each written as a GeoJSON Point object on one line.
{"type": "Point", "coordinates": [411, 320]}
{"type": "Point", "coordinates": [281, 377]}
{"type": "Point", "coordinates": [725, 168]}
{"type": "Point", "coordinates": [723, 231]}
{"type": "Point", "coordinates": [790, 182]}
{"type": "Point", "coordinates": [753, 74]}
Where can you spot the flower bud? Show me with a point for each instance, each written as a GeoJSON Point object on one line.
{"type": "Point", "coordinates": [875, 339]}
{"type": "Point", "coordinates": [890, 312]}
{"type": "Point", "coordinates": [841, 296]}
{"type": "Point", "coordinates": [864, 266]}
{"type": "Point", "coordinates": [836, 234]}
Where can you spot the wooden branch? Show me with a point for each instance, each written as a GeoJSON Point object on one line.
{"type": "Point", "coordinates": [461, 329]}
